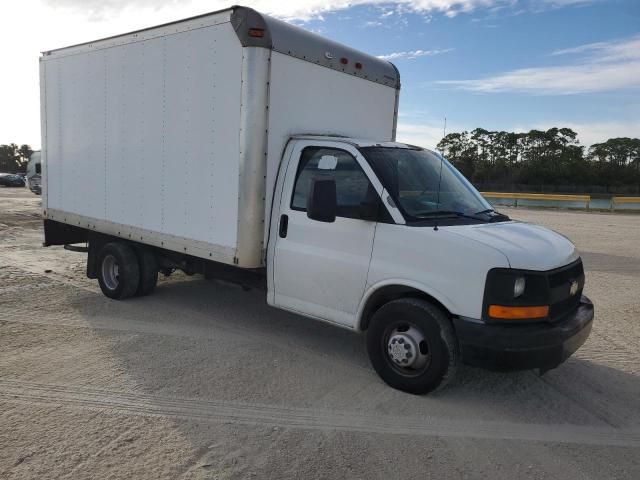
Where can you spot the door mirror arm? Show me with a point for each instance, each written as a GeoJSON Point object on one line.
{"type": "Point", "coordinates": [369, 209]}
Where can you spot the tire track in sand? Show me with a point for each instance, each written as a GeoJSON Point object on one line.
{"type": "Point", "coordinates": [135, 403]}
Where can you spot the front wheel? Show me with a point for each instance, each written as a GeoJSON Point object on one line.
{"type": "Point", "coordinates": [412, 345]}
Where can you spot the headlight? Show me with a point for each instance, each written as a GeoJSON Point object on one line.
{"type": "Point", "coordinates": [518, 287]}
{"type": "Point", "coordinates": [516, 295]}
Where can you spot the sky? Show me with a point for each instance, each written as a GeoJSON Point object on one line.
{"type": "Point", "coordinates": [497, 64]}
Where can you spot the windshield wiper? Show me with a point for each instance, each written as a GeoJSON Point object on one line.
{"type": "Point", "coordinates": [448, 213]}
{"type": "Point", "coordinates": [496, 217]}
{"type": "Point", "coordinates": [488, 210]}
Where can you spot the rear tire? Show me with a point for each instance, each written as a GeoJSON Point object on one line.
{"type": "Point", "coordinates": [118, 271]}
{"type": "Point", "coordinates": [148, 265]}
{"type": "Point", "coordinates": [412, 345]}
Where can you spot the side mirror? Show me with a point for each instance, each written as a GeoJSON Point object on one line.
{"type": "Point", "coordinates": [321, 202]}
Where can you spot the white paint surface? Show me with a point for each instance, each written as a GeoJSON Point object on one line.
{"type": "Point", "coordinates": [145, 133]}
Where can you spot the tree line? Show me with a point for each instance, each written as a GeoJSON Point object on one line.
{"type": "Point", "coordinates": [14, 158]}
{"type": "Point", "coordinates": [551, 160]}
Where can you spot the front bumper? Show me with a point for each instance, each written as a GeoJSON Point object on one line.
{"type": "Point", "coordinates": [522, 347]}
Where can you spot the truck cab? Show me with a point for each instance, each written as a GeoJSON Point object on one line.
{"type": "Point", "coordinates": [391, 239]}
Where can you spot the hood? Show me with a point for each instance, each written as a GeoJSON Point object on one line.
{"type": "Point", "coordinates": [526, 246]}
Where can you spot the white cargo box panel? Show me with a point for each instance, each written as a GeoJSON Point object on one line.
{"type": "Point", "coordinates": [172, 135]}
{"type": "Point", "coordinates": [142, 132]}
{"type": "Point", "coordinates": [324, 102]}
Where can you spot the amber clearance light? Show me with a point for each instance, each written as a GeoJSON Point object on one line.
{"type": "Point", "coordinates": [256, 32]}
{"type": "Point", "coordinates": [518, 313]}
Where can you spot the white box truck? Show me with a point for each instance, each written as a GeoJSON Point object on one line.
{"type": "Point", "coordinates": [241, 147]}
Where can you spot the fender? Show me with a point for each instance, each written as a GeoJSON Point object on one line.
{"type": "Point", "coordinates": [399, 282]}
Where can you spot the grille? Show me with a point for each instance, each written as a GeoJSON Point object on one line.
{"type": "Point", "coordinates": [560, 280]}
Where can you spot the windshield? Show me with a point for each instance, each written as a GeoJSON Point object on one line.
{"type": "Point", "coordinates": [412, 177]}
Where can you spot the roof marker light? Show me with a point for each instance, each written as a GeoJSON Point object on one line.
{"type": "Point", "coordinates": [256, 32]}
{"type": "Point", "coordinates": [358, 66]}
{"type": "Point", "coordinates": [344, 60]}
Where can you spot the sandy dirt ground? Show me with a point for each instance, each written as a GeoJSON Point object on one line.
{"type": "Point", "coordinates": [203, 380]}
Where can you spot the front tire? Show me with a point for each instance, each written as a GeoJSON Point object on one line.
{"type": "Point", "coordinates": [118, 271]}
{"type": "Point", "coordinates": [412, 345]}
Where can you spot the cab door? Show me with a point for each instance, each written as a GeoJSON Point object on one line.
{"type": "Point", "coordinates": [320, 268]}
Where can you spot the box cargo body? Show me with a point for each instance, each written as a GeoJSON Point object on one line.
{"type": "Point", "coordinates": [172, 136]}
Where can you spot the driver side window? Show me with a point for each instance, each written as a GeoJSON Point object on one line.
{"type": "Point", "coordinates": [352, 185]}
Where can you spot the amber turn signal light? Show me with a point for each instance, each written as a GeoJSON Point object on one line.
{"type": "Point", "coordinates": [518, 313]}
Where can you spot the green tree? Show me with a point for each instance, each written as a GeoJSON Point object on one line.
{"type": "Point", "coordinates": [13, 159]}
{"type": "Point", "coordinates": [9, 158]}
{"type": "Point", "coordinates": [616, 161]}
{"type": "Point", "coordinates": [458, 148]}
{"type": "Point", "coordinates": [543, 158]}
{"type": "Point", "coordinates": [25, 152]}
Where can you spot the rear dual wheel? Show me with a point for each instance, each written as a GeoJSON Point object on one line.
{"type": "Point", "coordinates": [149, 268]}
{"type": "Point", "coordinates": [124, 271]}
{"type": "Point", "coordinates": [412, 345]}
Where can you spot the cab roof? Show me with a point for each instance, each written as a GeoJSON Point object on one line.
{"type": "Point", "coordinates": [358, 142]}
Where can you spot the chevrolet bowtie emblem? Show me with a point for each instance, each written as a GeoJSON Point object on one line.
{"type": "Point", "coordinates": [573, 289]}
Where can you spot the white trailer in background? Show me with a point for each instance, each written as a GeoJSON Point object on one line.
{"type": "Point", "coordinates": [34, 177]}
{"type": "Point", "coordinates": [239, 146]}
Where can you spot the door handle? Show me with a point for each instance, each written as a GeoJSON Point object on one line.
{"type": "Point", "coordinates": [284, 226]}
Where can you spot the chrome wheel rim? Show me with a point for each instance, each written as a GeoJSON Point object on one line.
{"type": "Point", "coordinates": [407, 349]}
{"type": "Point", "coordinates": [110, 272]}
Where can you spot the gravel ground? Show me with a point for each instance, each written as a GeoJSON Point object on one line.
{"type": "Point", "coordinates": [203, 380]}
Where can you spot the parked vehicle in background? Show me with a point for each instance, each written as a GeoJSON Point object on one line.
{"type": "Point", "coordinates": [34, 173]}
{"type": "Point", "coordinates": [11, 180]}
{"type": "Point", "coordinates": [300, 190]}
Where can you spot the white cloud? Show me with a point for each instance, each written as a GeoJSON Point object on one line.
{"type": "Point", "coordinates": [627, 49]}
{"type": "Point", "coordinates": [413, 54]}
{"type": "Point", "coordinates": [557, 80]}
{"type": "Point", "coordinates": [422, 134]}
{"type": "Point", "coordinates": [566, 3]}
{"type": "Point", "coordinates": [607, 66]}
{"type": "Point", "coordinates": [580, 48]}
{"type": "Point", "coordinates": [288, 9]}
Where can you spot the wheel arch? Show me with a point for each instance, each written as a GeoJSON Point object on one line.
{"type": "Point", "coordinates": [379, 294]}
